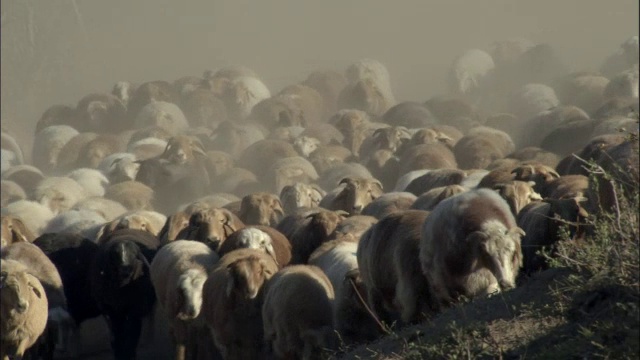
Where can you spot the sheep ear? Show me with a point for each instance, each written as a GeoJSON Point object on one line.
{"type": "Point", "coordinates": [377, 133]}
{"type": "Point", "coordinates": [523, 171]}
{"type": "Point", "coordinates": [342, 213]}
{"type": "Point", "coordinates": [516, 230]}
{"type": "Point", "coordinates": [553, 173]}
{"type": "Point", "coordinates": [197, 147]}
{"type": "Point", "coordinates": [377, 182]}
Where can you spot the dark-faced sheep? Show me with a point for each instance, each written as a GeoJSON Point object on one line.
{"type": "Point", "coordinates": [309, 231]}
{"type": "Point", "coordinates": [390, 268]}
{"type": "Point", "coordinates": [178, 273]}
{"type": "Point", "coordinates": [470, 246]}
{"type": "Point", "coordinates": [297, 313]}
{"type": "Point", "coordinates": [233, 300]}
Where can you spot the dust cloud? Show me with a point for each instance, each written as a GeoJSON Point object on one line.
{"type": "Point", "coordinates": [55, 52]}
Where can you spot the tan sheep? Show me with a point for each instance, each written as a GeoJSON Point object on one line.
{"type": "Point", "coordinates": [518, 194]}
{"type": "Point", "coordinates": [211, 226]}
{"type": "Point", "coordinates": [14, 230]}
{"type": "Point", "coordinates": [23, 309]}
{"type": "Point", "coordinates": [178, 273]}
{"type": "Point", "coordinates": [261, 209]}
{"type": "Point", "coordinates": [173, 226]}
{"type": "Point", "coordinates": [297, 313]}
{"type": "Point", "coordinates": [11, 192]}
{"type": "Point", "coordinates": [260, 237]}
{"type": "Point", "coordinates": [59, 193]}
{"type": "Point", "coordinates": [354, 196]}
{"type": "Point", "coordinates": [182, 149]}
{"type": "Point", "coordinates": [352, 228]}
{"type": "Point", "coordinates": [388, 258]}
{"type": "Point", "coordinates": [308, 231]}
{"type": "Point", "coordinates": [134, 195]}
{"type": "Point", "coordinates": [300, 195]}
{"type": "Point", "coordinates": [232, 302]}
{"type": "Point", "coordinates": [567, 186]}
{"type": "Point", "coordinates": [427, 156]}
{"type": "Point", "coordinates": [389, 203]}
{"type": "Point", "coordinates": [433, 197]}
{"type": "Point", "coordinates": [148, 221]}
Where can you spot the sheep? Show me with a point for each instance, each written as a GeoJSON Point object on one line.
{"type": "Point", "coordinates": [468, 72]}
{"type": "Point", "coordinates": [622, 106]}
{"type": "Point", "coordinates": [433, 136]}
{"type": "Point", "coordinates": [119, 167]}
{"type": "Point", "coordinates": [261, 209]}
{"type": "Point", "coordinates": [354, 196]}
{"type": "Point", "coordinates": [479, 258]}
{"type": "Point", "coordinates": [590, 152]}
{"type": "Point", "coordinates": [178, 273]}
{"type": "Point", "coordinates": [56, 115]}
{"type": "Point", "coordinates": [8, 160]}
{"type": "Point", "coordinates": [173, 226]}
{"type": "Point", "coordinates": [182, 149]}
{"type": "Point", "coordinates": [410, 114]}
{"type": "Point", "coordinates": [259, 156]}
{"type": "Point", "coordinates": [613, 125]}
{"type": "Point", "coordinates": [59, 193]}
{"type": "Point", "coordinates": [625, 56]}
{"type": "Point", "coordinates": [202, 108]}
{"type": "Point", "coordinates": [477, 151]}
{"type": "Point", "coordinates": [434, 179]}
{"type": "Point", "coordinates": [308, 231]}
{"type": "Point", "coordinates": [538, 173]}
{"type": "Point", "coordinates": [216, 200]}
{"type": "Point", "coordinates": [452, 109]}
{"type": "Point", "coordinates": [166, 115]}
{"type": "Point", "coordinates": [48, 143]}
{"type": "Point", "coordinates": [354, 126]}
{"type": "Point", "coordinates": [74, 221]}
{"type": "Point", "coordinates": [133, 195]}
{"type": "Point", "coordinates": [297, 313]}
{"type": "Point", "coordinates": [428, 200]}
{"type": "Point", "coordinates": [121, 286]}
{"type": "Point", "coordinates": [308, 100]}
{"type": "Point", "coordinates": [24, 310]}
{"type": "Point", "coordinates": [367, 95]}
{"type": "Point", "coordinates": [535, 154]}
{"type": "Point", "coordinates": [14, 230]}
{"type": "Point", "coordinates": [150, 92]}
{"type": "Point", "coordinates": [289, 170]}
{"type": "Point", "coordinates": [277, 111]}
{"type": "Point", "coordinates": [34, 215]}
{"type": "Point", "coordinates": [147, 148]}
{"type": "Point", "coordinates": [506, 52]}
{"type": "Point", "coordinates": [234, 138]}
{"type": "Point", "coordinates": [569, 137]}
{"type": "Point", "coordinates": [329, 156]}
{"type": "Point", "coordinates": [242, 94]}
{"type": "Point", "coordinates": [149, 221]}
{"type": "Point", "coordinates": [385, 166]}
{"type": "Point", "coordinates": [27, 176]}
{"type": "Point", "coordinates": [567, 186]}
{"type": "Point", "coordinates": [218, 163]}
{"type": "Point", "coordinates": [582, 89]}
{"type": "Point", "coordinates": [11, 192]}
{"type": "Point", "coordinates": [305, 145]}
{"type": "Point", "coordinates": [370, 69]}
{"type": "Point", "coordinates": [541, 221]}
{"type": "Point", "coordinates": [352, 228]}
{"type": "Point", "coordinates": [389, 203]}
{"type": "Point", "coordinates": [393, 138]}
{"type": "Point", "coordinates": [406, 179]}
{"type": "Point", "coordinates": [92, 180]}
{"type": "Point", "coordinates": [218, 80]}
{"type": "Point", "coordinates": [9, 143]}
{"type": "Point", "coordinates": [335, 173]}
{"type": "Point", "coordinates": [531, 99]}
{"type": "Point", "coordinates": [328, 84]}
{"type": "Point", "coordinates": [389, 263]}
{"type": "Point", "coordinates": [620, 162]}
{"type": "Point", "coordinates": [211, 226]}
{"type": "Point", "coordinates": [108, 209]}
{"type": "Point", "coordinates": [428, 156]}
{"type": "Point", "coordinates": [39, 265]}
{"type": "Point", "coordinates": [123, 90]}
{"type": "Point", "coordinates": [624, 84]}
{"type": "Point", "coordinates": [252, 238]}
{"type": "Point", "coordinates": [300, 195]}
{"type": "Point", "coordinates": [232, 302]}
{"type": "Point", "coordinates": [70, 152]}
{"type": "Point", "coordinates": [517, 194]}
{"type": "Point", "coordinates": [99, 113]}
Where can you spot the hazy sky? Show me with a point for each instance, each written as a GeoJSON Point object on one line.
{"type": "Point", "coordinates": [283, 40]}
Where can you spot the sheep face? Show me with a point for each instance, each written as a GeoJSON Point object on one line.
{"type": "Point", "coordinates": [124, 262]}
{"type": "Point", "coordinates": [261, 209]}
{"type": "Point", "coordinates": [14, 230]}
{"type": "Point", "coordinates": [518, 194]}
{"type": "Point", "coordinates": [15, 289]}
{"type": "Point", "coordinates": [300, 195]}
{"type": "Point", "coordinates": [212, 226]}
{"type": "Point", "coordinates": [359, 193]}
{"type": "Point", "coordinates": [246, 277]}
{"type": "Point", "coordinates": [122, 90]}
{"type": "Point", "coordinates": [138, 222]}
{"type": "Point", "coordinates": [305, 145]}
{"type": "Point", "coordinates": [253, 238]}
{"type": "Point", "coordinates": [182, 149]}
{"type": "Point", "coordinates": [189, 291]}
{"type": "Point", "coordinates": [500, 252]}
{"type": "Point", "coordinates": [392, 138]}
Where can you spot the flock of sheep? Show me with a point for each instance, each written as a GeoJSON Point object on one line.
{"type": "Point", "coordinates": [286, 224]}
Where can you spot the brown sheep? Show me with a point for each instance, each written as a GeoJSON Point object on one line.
{"type": "Point", "coordinates": [310, 232]}
{"type": "Point", "coordinates": [354, 196]}
{"type": "Point", "coordinates": [435, 178]}
{"type": "Point", "coordinates": [211, 226]}
{"type": "Point", "coordinates": [300, 195]}
{"type": "Point", "coordinates": [470, 246]}
{"type": "Point", "coordinates": [389, 203]}
{"type": "Point", "coordinates": [366, 95]}
{"type": "Point", "coordinates": [218, 163]}
{"type": "Point", "coordinates": [535, 154]}
{"type": "Point", "coordinates": [537, 128]}
{"type": "Point", "coordinates": [261, 209]}
{"type": "Point", "coordinates": [354, 126]}
{"type": "Point", "coordinates": [277, 111]}
{"type": "Point", "coordinates": [202, 108]}
{"type": "Point", "coordinates": [308, 100]}
{"type": "Point", "coordinates": [57, 115]}
{"type": "Point", "coordinates": [258, 157]}
{"type": "Point", "coordinates": [447, 108]}
{"type": "Point", "coordinates": [391, 138]}
{"type": "Point", "coordinates": [385, 166]}
{"type": "Point", "coordinates": [352, 228]}
{"type": "Point", "coordinates": [14, 230]}
{"type": "Point", "coordinates": [427, 156]}
{"type": "Point", "coordinates": [266, 238]}
{"type": "Point", "coordinates": [71, 151]}
{"type": "Point", "coordinates": [23, 308]}
{"type": "Point", "coordinates": [148, 92]}
{"type": "Point", "coordinates": [622, 164]}
{"type": "Point", "coordinates": [233, 300]}
{"type": "Point", "coordinates": [433, 197]}
{"type": "Point", "coordinates": [97, 149]}
{"type": "Point", "coordinates": [327, 156]}
{"type": "Point", "coordinates": [432, 136]}
{"type": "Point", "coordinates": [518, 194]}
{"type": "Point", "coordinates": [568, 186]}
{"type": "Point", "coordinates": [390, 268]}
{"type": "Point", "coordinates": [101, 113]}
{"type": "Point", "coordinates": [133, 195]}
{"type": "Point", "coordinates": [476, 152]}
{"type": "Point", "coordinates": [288, 171]}
{"type": "Point", "coordinates": [410, 114]}
{"type": "Point", "coordinates": [597, 146]}
{"type": "Point", "coordinates": [542, 221]}
{"type": "Point", "coordinates": [297, 313]}
{"type": "Point", "coordinates": [132, 221]}
{"type": "Point", "coordinates": [536, 172]}
{"type": "Point", "coordinates": [173, 226]}
{"type": "Point", "coordinates": [178, 273]}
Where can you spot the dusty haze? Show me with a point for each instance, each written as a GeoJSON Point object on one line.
{"type": "Point", "coordinates": [58, 51]}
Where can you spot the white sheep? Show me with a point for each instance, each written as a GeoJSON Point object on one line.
{"type": "Point", "coordinates": [119, 167]}
{"type": "Point", "coordinates": [108, 209]}
{"type": "Point", "coordinates": [34, 215]}
{"type": "Point", "coordinates": [531, 99]}
{"type": "Point", "coordinates": [297, 313]}
{"type": "Point", "coordinates": [23, 308]}
{"type": "Point", "coordinates": [47, 145]}
{"type": "Point", "coordinates": [244, 93]}
{"type": "Point", "coordinates": [166, 115]}
{"type": "Point", "coordinates": [59, 193]}
{"type": "Point", "coordinates": [178, 273]}
{"type": "Point", "coordinates": [74, 221]}
{"type": "Point", "coordinates": [92, 180]}
{"type": "Point", "coordinates": [468, 71]}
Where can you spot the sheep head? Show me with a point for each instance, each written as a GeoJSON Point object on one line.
{"type": "Point", "coordinates": [182, 150]}
{"type": "Point", "coordinates": [359, 192]}
{"type": "Point", "coordinates": [499, 251]}
{"type": "Point", "coordinates": [213, 226]}
{"type": "Point", "coordinates": [15, 289]}
{"type": "Point", "coordinates": [540, 174]}
{"type": "Point", "coordinates": [300, 195]}
{"type": "Point", "coordinates": [517, 194]}
{"type": "Point", "coordinates": [173, 226]}
{"type": "Point", "coordinates": [247, 275]}
{"type": "Point", "coordinates": [14, 230]}
{"type": "Point", "coordinates": [325, 222]}
{"type": "Point", "coordinates": [189, 294]}
{"type": "Point", "coordinates": [391, 138]}
{"type": "Point", "coordinates": [305, 145]}
{"type": "Point", "coordinates": [252, 238]}
{"type": "Point", "coordinates": [125, 262]}
{"type": "Point", "coordinates": [261, 209]}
